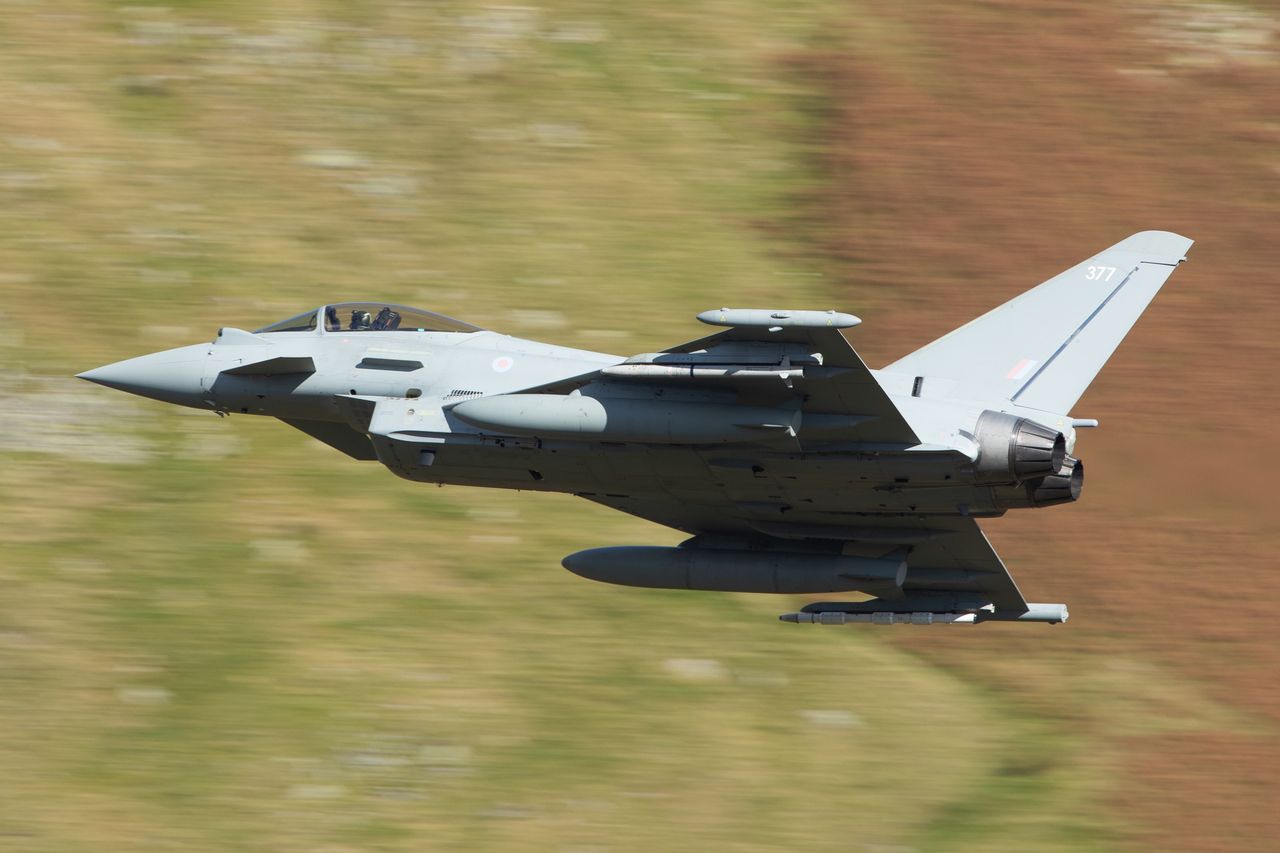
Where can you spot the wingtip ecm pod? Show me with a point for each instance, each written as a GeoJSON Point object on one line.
{"type": "Point", "coordinates": [1052, 614]}
{"type": "Point", "coordinates": [778, 319]}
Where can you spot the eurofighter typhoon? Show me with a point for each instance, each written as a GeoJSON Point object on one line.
{"type": "Point", "coordinates": [793, 467]}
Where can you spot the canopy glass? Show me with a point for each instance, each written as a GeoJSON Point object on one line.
{"type": "Point", "coordinates": [370, 317]}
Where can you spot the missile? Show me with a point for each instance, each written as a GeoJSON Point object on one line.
{"type": "Point", "coordinates": [693, 371]}
{"type": "Point", "coordinates": [645, 420]}
{"type": "Point", "coordinates": [1050, 613]}
{"type": "Point", "coordinates": [737, 570]}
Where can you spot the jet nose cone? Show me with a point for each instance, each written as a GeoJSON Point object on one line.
{"type": "Point", "coordinates": [172, 376]}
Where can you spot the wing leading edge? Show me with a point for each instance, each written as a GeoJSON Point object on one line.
{"type": "Point", "coordinates": [841, 384]}
{"type": "Point", "coordinates": [769, 358]}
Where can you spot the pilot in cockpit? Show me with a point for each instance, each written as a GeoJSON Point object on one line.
{"type": "Point", "coordinates": [361, 321]}
{"type": "Point", "coordinates": [386, 321]}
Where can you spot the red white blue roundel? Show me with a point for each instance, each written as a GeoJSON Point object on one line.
{"type": "Point", "coordinates": [503, 363]}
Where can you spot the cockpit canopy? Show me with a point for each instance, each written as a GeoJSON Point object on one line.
{"type": "Point", "coordinates": [370, 317]}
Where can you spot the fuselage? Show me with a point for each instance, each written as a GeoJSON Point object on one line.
{"type": "Point", "coordinates": [794, 466]}
{"type": "Point", "coordinates": [400, 388]}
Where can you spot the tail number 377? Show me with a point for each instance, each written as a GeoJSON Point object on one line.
{"type": "Point", "coordinates": [1100, 273]}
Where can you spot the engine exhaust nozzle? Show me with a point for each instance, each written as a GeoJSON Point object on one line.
{"type": "Point", "coordinates": [1012, 449]}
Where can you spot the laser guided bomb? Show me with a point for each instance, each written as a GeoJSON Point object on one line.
{"type": "Point", "coordinates": [794, 468]}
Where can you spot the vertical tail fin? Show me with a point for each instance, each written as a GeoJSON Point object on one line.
{"type": "Point", "coordinates": [1043, 348]}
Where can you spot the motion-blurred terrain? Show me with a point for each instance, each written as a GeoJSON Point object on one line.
{"type": "Point", "coordinates": [221, 635]}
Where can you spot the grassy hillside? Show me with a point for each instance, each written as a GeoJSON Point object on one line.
{"type": "Point", "coordinates": [221, 635]}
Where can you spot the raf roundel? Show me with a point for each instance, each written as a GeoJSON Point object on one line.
{"type": "Point", "coordinates": [503, 363]}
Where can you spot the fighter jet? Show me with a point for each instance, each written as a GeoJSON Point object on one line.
{"type": "Point", "coordinates": [793, 467]}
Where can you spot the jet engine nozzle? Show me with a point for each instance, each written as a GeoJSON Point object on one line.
{"type": "Point", "coordinates": [1060, 488]}
{"type": "Point", "coordinates": [1013, 449]}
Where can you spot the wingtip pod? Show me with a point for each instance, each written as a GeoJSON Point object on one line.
{"type": "Point", "coordinates": [1050, 613]}
{"type": "Point", "coordinates": [776, 319]}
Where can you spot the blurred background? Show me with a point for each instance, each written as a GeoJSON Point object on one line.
{"type": "Point", "coordinates": [218, 634]}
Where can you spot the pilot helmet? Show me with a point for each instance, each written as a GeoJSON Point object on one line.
{"type": "Point", "coordinates": [361, 320]}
